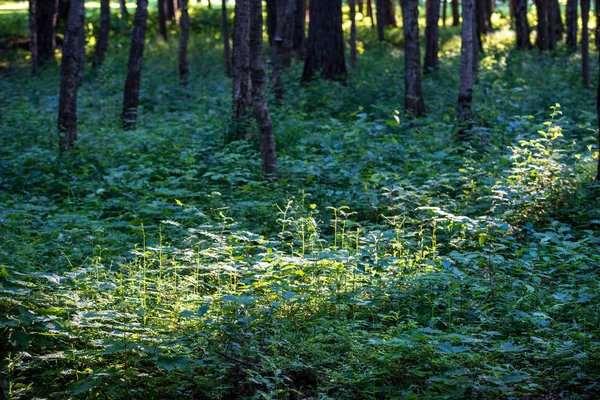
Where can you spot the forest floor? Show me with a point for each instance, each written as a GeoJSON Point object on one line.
{"type": "Point", "coordinates": [391, 260]}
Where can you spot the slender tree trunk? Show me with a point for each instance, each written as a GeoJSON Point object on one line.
{"type": "Point", "coordinates": [598, 118]}
{"type": "Point", "coordinates": [559, 27]}
{"type": "Point", "coordinates": [134, 67]}
{"type": "Point", "coordinates": [389, 13]}
{"type": "Point", "coordinates": [431, 35]}
{"type": "Point", "coordinates": [521, 24]}
{"type": "Point", "coordinates": [225, 33]}
{"type": "Point", "coordinates": [585, 42]}
{"type": "Point", "coordinates": [123, 9]}
{"type": "Point", "coordinates": [242, 86]}
{"type": "Point", "coordinates": [481, 15]}
{"type": "Point", "coordinates": [444, 12]}
{"type": "Point", "coordinates": [455, 13]}
{"type": "Point", "coordinates": [184, 69]}
{"type": "Point", "coordinates": [286, 12]}
{"type": "Point", "coordinates": [299, 29]}
{"type": "Point", "coordinates": [489, 10]}
{"type": "Point", "coordinates": [171, 10]}
{"type": "Point", "coordinates": [512, 9]}
{"type": "Point", "coordinates": [259, 100]}
{"type": "Point", "coordinates": [551, 24]}
{"type": "Point", "coordinates": [370, 12]}
{"type": "Point", "coordinates": [47, 13]}
{"type": "Point", "coordinates": [102, 43]}
{"type": "Point", "coordinates": [162, 19]}
{"type": "Point", "coordinates": [63, 10]}
{"type": "Point", "coordinates": [413, 94]}
{"type": "Point", "coordinates": [325, 43]}
{"type": "Point", "coordinates": [271, 20]}
{"type": "Point", "coordinates": [477, 43]}
{"type": "Point", "coordinates": [33, 37]}
{"type": "Point", "coordinates": [597, 12]}
{"type": "Point", "coordinates": [380, 21]}
{"type": "Point", "coordinates": [360, 6]}
{"type": "Point", "coordinates": [209, 5]}
{"type": "Point", "coordinates": [353, 51]}
{"type": "Point", "coordinates": [69, 77]}
{"type": "Point", "coordinates": [542, 25]}
{"type": "Point", "coordinates": [571, 24]}
{"type": "Point", "coordinates": [465, 94]}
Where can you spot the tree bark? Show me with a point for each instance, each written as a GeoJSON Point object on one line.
{"type": "Point", "coordinates": [465, 94]}
{"type": "Point", "coordinates": [444, 12]}
{"type": "Point", "coordinates": [47, 13]}
{"type": "Point", "coordinates": [380, 21]}
{"type": "Point", "coordinates": [162, 19]}
{"type": "Point", "coordinates": [571, 24]}
{"type": "Point", "coordinates": [134, 67]}
{"type": "Point", "coordinates": [299, 29]}
{"type": "Point", "coordinates": [102, 43]}
{"type": "Point", "coordinates": [271, 20]}
{"type": "Point", "coordinates": [171, 10]}
{"type": "Point", "coordinates": [455, 13]}
{"type": "Point", "coordinates": [184, 69]}
{"type": "Point", "coordinates": [353, 51]}
{"type": "Point", "coordinates": [286, 12]}
{"type": "Point", "coordinates": [389, 13]}
{"type": "Point", "coordinates": [69, 77]}
{"type": "Point", "coordinates": [431, 35]}
{"type": "Point", "coordinates": [559, 27]}
{"type": "Point", "coordinates": [259, 100]}
{"type": "Point", "coordinates": [325, 43]}
{"type": "Point", "coordinates": [370, 12]}
{"type": "Point", "coordinates": [242, 86]}
{"type": "Point", "coordinates": [33, 37]}
{"type": "Point", "coordinates": [123, 9]}
{"type": "Point", "coordinates": [225, 33]}
{"type": "Point", "coordinates": [522, 25]}
{"type": "Point", "coordinates": [413, 94]}
{"type": "Point", "coordinates": [585, 42]}
{"type": "Point", "coordinates": [542, 40]}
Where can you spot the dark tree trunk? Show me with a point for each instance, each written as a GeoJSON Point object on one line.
{"type": "Point", "coordinates": [360, 6]}
{"type": "Point", "coordinates": [465, 94]}
{"type": "Point", "coordinates": [47, 13]}
{"type": "Point", "coordinates": [299, 29]}
{"type": "Point", "coordinates": [271, 20]}
{"type": "Point", "coordinates": [380, 21]}
{"type": "Point", "coordinates": [286, 12]}
{"type": "Point", "coordinates": [559, 27]}
{"type": "Point", "coordinates": [585, 42]}
{"type": "Point", "coordinates": [551, 24]}
{"type": "Point", "coordinates": [69, 77]}
{"type": "Point", "coordinates": [477, 24]}
{"type": "Point", "coordinates": [455, 13]}
{"type": "Point", "coordinates": [102, 43]}
{"type": "Point", "coordinates": [209, 5]}
{"type": "Point", "coordinates": [162, 18]}
{"type": "Point", "coordinates": [598, 118]}
{"type": "Point", "coordinates": [370, 12]}
{"type": "Point", "coordinates": [543, 40]}
{"type": "Point", "coordinates": [444, 12]}
{"type": "Point", "coordinates": [242, 86]}
{"type": "Point", "coordinates": [134, 67]}
{"type": "Point", "coordinates": [431, 35]}
{"type": "Point", "coordinates": [481, 15]}
{"type": "Point", "coordinates": [123, 9]}
{"type": "Point", "coordinates": [353, 51]}
{"type": "Point", "coordinates": [325, 43]}
{"type": "Point", "coordinates": [184, 69]}
{"type": "Point", "coordinates": [477, 43]}
{"type": "Point", "coordinates": [413, 94]}
{"type": "Point", "coordinates": [571, 24]}
{"type": "Point", "coordinates": [259, 100]}
{"type": "Point", "coordinates": [512, 7]}
{"type": "Point", "coordinates": [389, 13]}
{"type": "Point", "coordinates": [171, 10]}
{"type": "Point", "coordinates": [63, 9]}
{"type": "Point", "coordinates": [597, 12]}
{"type": "Point", "coordinates": [489, 10]}
{"type": "Point", "coordinates": [225, 33]}
{"type": "Point", "coordinates": [521, 24]}
{"type": "Point", "coordinates": [33, 39]}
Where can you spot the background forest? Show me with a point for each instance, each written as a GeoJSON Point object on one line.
{"type": "Point", "coordinates": [345, 211]}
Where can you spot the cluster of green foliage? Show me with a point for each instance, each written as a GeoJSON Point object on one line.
{"type": "Point", "coordinates": [389, 261]}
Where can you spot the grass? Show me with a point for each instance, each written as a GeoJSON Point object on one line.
{"type": "Point", "coordinates": [390, 261]}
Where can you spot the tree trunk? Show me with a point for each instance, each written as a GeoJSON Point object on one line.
{"type": "Point", "coordinates": [370, 12]}
{"type": "Point", "coordinates": [123, 9]}
{"type": "Point", "coordinates": [477, 43]}
{"type": "Point", "coordinates": [597, 12]}
{"type": "Point", "coordinates": [353, 51]}
{"type": "Point", "coordinates": [33, 38]}
{"type": "Point", "coordinates": [481, 15]}
{"type": "Point", "coordinates": [542, 40]}
{"type": "Point", "coordinates": [47, 13]}
{"type": "Point", "coordinates": [225, 33]}
{"type": "Point", "coordinates": [571, 24]}
{"type": "Point", "coordinates": [286, 13]}
{"type": "Point", "coordinates": [455, 13]}
{"type": "Point", "coordinates": [413, 94]}
{"type": "Point", "coordinates": [325, 43]}
{"type": "Point", "coordinates": [69, 77]}
{"type": "Point", "coordinates": [585, 42]}
{"type": "Point", "coordinates": [299, 29]}
{"type": "Point", "coordinates": [389, 13]}
{"type": "Point", "coordinates": [102, 43]}
{"type": "Point", "coordinates": [171, 10]}
{"type": "Point", "coordinates": [552, 29]}
{"type": "Point", "coordinates": [184, 69]}
{"type": "Point", "coordinates": [521, 24]}
{"type": "Point", "coordinates": [360, 6]}
{"type": "Point", "coordinates": [431, 35]}
{"type": "Point", "coordinates": [271, 20]}
{"type": "Point", "coordinates": [259, 100]}
{"type": "Point", "coordinates": [444, 12]}
{"type": "Point", "coordinates": [134, 67]}
{"type": "Point", "coordinates": [598, 118]}
{"type": "Point", "coordinates": [512, 7]}
{"type": "Point", "coordinates": [465, 94]}
{"type": "Point", "coordinates": [162, 19]}
{"type": "Point", "coordinates": [380, 21]}
{"type": "Point", "coordinates": [242, 86]}
{"type": "Point", "coordinates": [559, 27]}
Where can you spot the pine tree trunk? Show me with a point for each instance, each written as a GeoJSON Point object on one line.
{"type": "Point", "coordinates": [33, 38]}
{"type": "Point", "coordinates": [369, 12]}
{"type": "Point", "coordinates": [380, 21]}
{"type": "Point", "coordinates": [353, 51]}
{"type": "Point", "coordinates": [444, 12]}
{"type": "Point", "coordinates": [431, 35]}
{"type": "Point", "coordinates": [585, 42]}
{"type": "Point", "coordinates": [69, 77]}
{"type": "Point", "coordinates": [521, 24]}
{"type": "Point", "coordinates": [413, 94]}
{"type": "Point", "coordinates": [242, 86]}
{"type": "Point", "coordinates": [162, 19]}
{"type": "Point", "coordinates": [123, 9]}
{"type": "Point", "coordinates": [271, 20]}
{"type": "Point", "coordinates": [389, 13]}
{"type": "Point", "coordinates": [102, 43]}
{"type": "Point", "coordinates": [512, 6]}
{"type": "Point", "coordinates": [134, 67]}
{"type": "Point", "coordinates": [571, 24]}
{"type": "Point", "coordinates": [455, 13]}
{"type": "Point", "coordinates": [184, 69]}
{"type": "Point", "coordinates": [259, 100]}
{"type": "Point", "coordinates": [299, 29]}
{"type": "Point", "coordinates": [325, 43]}
{"type": "Point", "coordinates": [47, 13]}
{"type": "Point", "coordinates": [551, 24]}
{"type": "Point", "coordinates": [481, 15]}
{"type": "Point", "coordinates": [360, 6]}
{"type": "Point", "coordinates": [559, 27]}
{"type": "Point", "coordinates": [465, 94]}
{"type": "Point", "coordinates": [542, 40]}
{"type": "Point", "coordinates": [171, 10]}
{"type": "Point", "coordinates": [286, 13]}
{"type": "Point", "coordinates": [225, 33]}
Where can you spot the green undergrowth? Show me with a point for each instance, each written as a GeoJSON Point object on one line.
{"type": "Point", "coordinates": [391, 260]}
